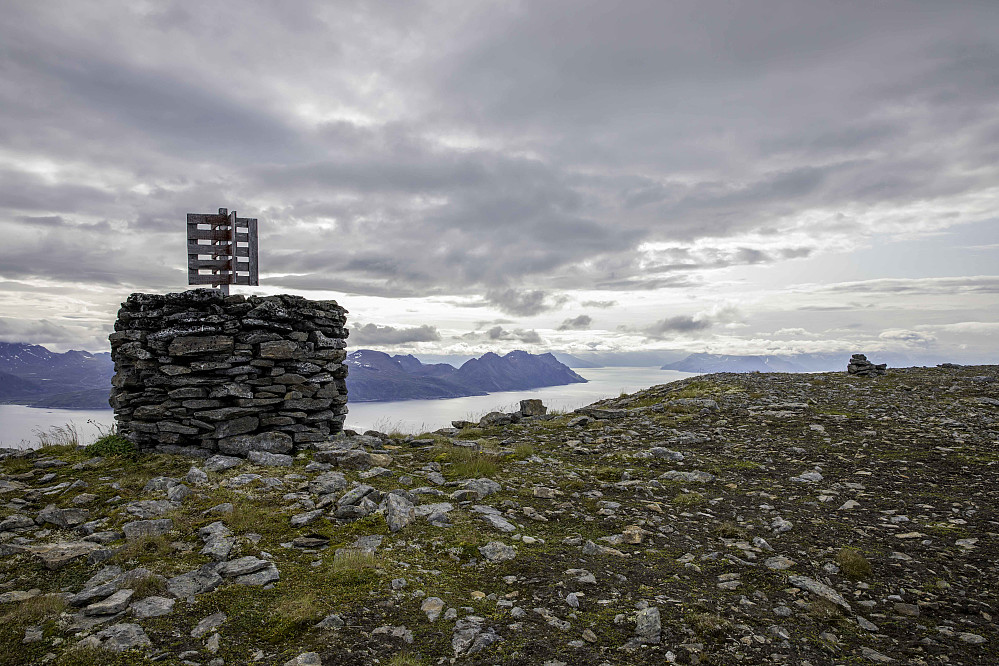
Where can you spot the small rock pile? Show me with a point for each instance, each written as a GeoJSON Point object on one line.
{"type": "Point", "coordinates": [859, 365]}
{"type": "Point", "coordinates": [533, 408]}
{"type": "Point", "coordinates": [228, 373]}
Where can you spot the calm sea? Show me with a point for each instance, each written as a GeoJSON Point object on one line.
{"type": "Point", "coordinates": [22, 426]}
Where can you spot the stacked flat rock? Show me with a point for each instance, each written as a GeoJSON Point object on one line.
{"type": "Point", "coordinates": [859, 365]}
{"type": "Point", "coordinates": [228, 373]}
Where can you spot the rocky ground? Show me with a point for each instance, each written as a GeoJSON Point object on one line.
{"type": "Point", "coordinates": [752, 518]}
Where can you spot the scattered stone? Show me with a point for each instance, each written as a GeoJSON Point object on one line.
{"type": "Point", "coordinates": [203, 579]}
{"type": "Point", "coordinates": [496, 551]}
{"type": "Point", "coordinates": [875, 656]}
{"type": "Point", "coordinates": [57, 555]}
{"type": "Point", "coordinates": [648, 627]}
{"type": "Point", "coordinates": [115, 603]}
{"type": "Point", "coordinates": [332, 621]}
{"type": "Point", "coordinates": [399, 511]}
{"type": "Point", "coordinates": [432, 606]}
{"type": "Point", "coordinates": [242, 566]}
{"type": "Point", "coordinates": [696, 476]}
{"type": "Point", "coordinates": [118, 638]}
{"type": "Point", "coordinates": [63, 518]}
{"type": "Point", "coordinates": [270, 459]}
{"type": "Point", "coordinates": [210, 623]}
{"type": "Point", "coordinates": [220, 463]}
{"type": "Point", "coordinates": [532, 407]}
{"type": "Point", "coordinates": [152, 607]}
{"type": "Point", "coordinates": [265, 576]}
{"type": "Point", "coordinates": [779, 563]}
{"type": "Point", "coordinates": [819, 589]}
{"type": "Point", "coordinates": [305, 659]}
{"type": "Point", "coordinates": [138, 529]}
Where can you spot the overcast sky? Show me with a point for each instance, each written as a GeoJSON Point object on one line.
{"type": "Point", "coordinates": [744, 177]}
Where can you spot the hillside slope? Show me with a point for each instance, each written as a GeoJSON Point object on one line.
{"type": "Point", "coordinates": [723, 519]}
{"type": "Point", "coordinates": [376, 376]}
{"type": "Point", "coordinates": [33, 375]}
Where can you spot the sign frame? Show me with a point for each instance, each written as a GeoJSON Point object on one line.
{"type": "Point", "coordinates": [225, 245]}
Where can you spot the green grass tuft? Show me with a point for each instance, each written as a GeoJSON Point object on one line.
{"type": "Point", "coordinates": [112, 445]}
{"type": "Point", "coordinates": [688, 499]}
{"type": "Point", "coordinates": [853, 564]}
{"type": "Point", "coordinates": [405, 659]}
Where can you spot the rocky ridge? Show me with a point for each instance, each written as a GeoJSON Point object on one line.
{"type": "Point", "coordinates": [723, 519]}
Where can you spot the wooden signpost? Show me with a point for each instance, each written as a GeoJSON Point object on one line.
{"type": "Point", "coordinates": [225, 246]}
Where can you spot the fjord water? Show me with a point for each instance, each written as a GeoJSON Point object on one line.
{"type": "Point", "coordinates": [19, 425]}
{"type": "Point", "coordinates": [424, 415]}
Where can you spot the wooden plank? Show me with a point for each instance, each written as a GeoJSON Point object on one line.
{"type": "Point", "coordinates": [212, 264]}
{"type": "Point", "coordinates": [251, 235]}
{"type": "Point", "coordinates": [206, 279]}
{"type": "Point", "coordinates": [208, 234]}
{"type": "Point", "coordinates": [194, 220]}
{"type": "Point", "coordinates": [216, 250]}
{"type": "Point", "coordinates": [214, 235]}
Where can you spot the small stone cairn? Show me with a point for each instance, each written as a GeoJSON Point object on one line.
{"type": "Point", "coordinates": [228, 374]}
{"type": "Point", "coordinates": [859, 365]}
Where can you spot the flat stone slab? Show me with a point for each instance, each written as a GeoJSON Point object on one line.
{"type": "Point", "coordinates": [270, 442]}
{"type": "Point", "coordinates": [496, 551]}
{"type": "Point", "coordinates": [118, 638]}
{"type": "Point", "coordinates": [152, 607]}
{"type": "Point", "coordinates": [92, 594]}
{"type": "Point", "coordinates": [218, 548]}
{"type": "Point", "coordinates": [138, 529]}
{"type": "Point", "coordinates": [116, 603]}
{"type": "Point", "coordinates": [194, 582]}
{"type": "Point", "coordinates": [270, 459]}
{"type": "Point", "coordinates": [242, 566]}
{"type": "Point", "coordinates": [262, 577]}
{"type": "Point", "coordinates": [209, 623]}
{"type": "Point", "coordinates": [221, 463]}
{"type": "Point", "coordinates": [819, 589]}
{"type": "Point", "coordinates": [62, 517]}
{"type": "Point", "coordinates": [499, 522]}
{"type": "Point", "coordinates": [146, 509]}
{"type": "Point", "coordinates": [57, 555]}
{"type": "Point", "coordinates": [697, 476]}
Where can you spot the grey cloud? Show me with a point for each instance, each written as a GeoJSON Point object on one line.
{"type": "Point", "coordinates": [988, 284]}
{"type": "Point", "coordinates": [524, 302]}
{"type": "Point", "coordinates": [582, 322]}
{"type": "Point", "coordinates": [678, 324]}
{"type": "Point", "coordinates": [599, 304]}
{"type": "Point", "coordinates": [71, 255]}
{"type": "Point", "coordinates": [19, 330]}
{"type": "Point", "coordinates": [373, 334]}
{"type": "Point", "coordinates": [530, 337]}
{"type": "Point", "coordinates": [498, 152]}
{"type": "Point", "coordinates": [684, 325]}
{"type": "Point", "coordinates": [499, 333]}
{"type": "Point", "coordinates": [905, 336]}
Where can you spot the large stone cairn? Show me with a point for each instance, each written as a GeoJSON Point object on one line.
{"type": "Point", "coordinates": [859, 365]}
{"type": "Point", "coordinates": [228, 373]}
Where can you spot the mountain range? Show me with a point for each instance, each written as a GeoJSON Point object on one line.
{"type": "Point", "coordinates": [709, 363]}
{"type": "Point", "coordinates": [375, 376]}
{"type": "Point", "coordinates": [34, 376]}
